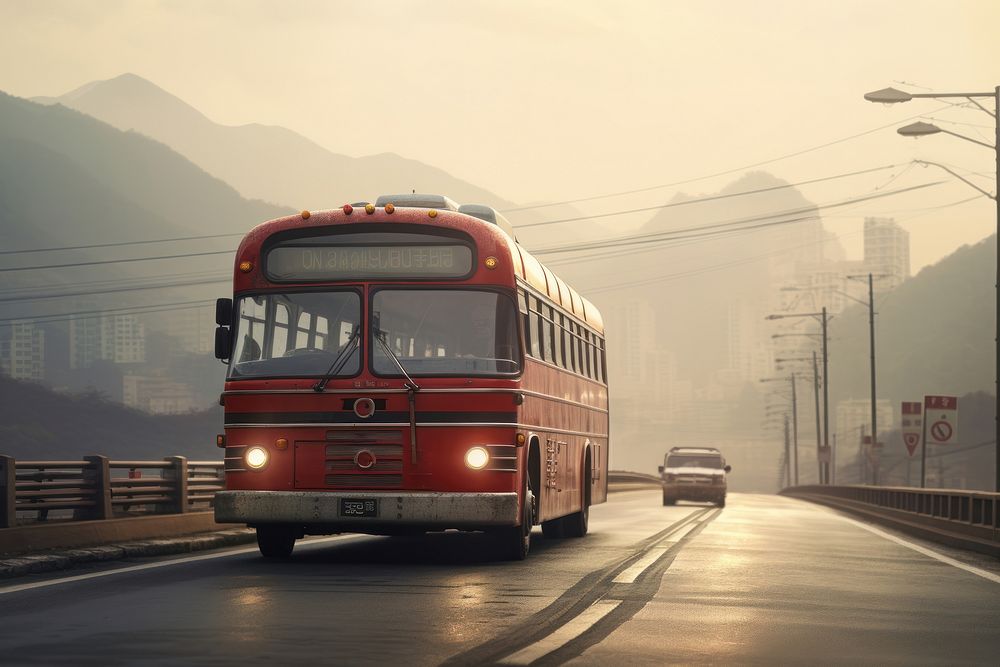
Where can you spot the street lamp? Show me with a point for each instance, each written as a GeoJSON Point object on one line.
{"type": "Point", "coordinates": [893, 96]}
{"type": "Point", "coordinates": [824, 455]}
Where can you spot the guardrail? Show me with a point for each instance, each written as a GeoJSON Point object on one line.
{"type": "Point", "coordinates": [98, 488]}
{"type": "Point", "coordinates": [970, 519]}
{"type": "Point", "coordinates": [624, 477]}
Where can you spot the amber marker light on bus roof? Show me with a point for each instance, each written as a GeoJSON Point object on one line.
{"type": "Point", "coordinates": [246, 267]}
{"type": "Point", "coordinates": [389, 208]}
{"type": "Point", "coordinates": [281, 443]}
{"type": "Point", "coordinates": [369, 208]}
{"type": "Point", "coordinates": [348, 209]}
{"type": "Point", "coordinates": [490, 262]}
{"type": "Point", "coordinates": [305, 215]}
{"type": "Point", "coordinates": [432, 213]}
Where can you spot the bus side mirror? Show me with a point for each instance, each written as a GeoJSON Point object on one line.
{"type": "Point", "coordinates": [728, 468]}
{"type": "Point", "coordinates": [659, 468]}
{"type": "Point", "coordinates": [223, 344]}
{"type": "Point", "coordinates": [223, 312]}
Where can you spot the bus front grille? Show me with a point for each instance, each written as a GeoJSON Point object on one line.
{"type": "Point", "coordinates": [366, 481]}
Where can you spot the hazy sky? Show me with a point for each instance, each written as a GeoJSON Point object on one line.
{"type": "Point", "coordinates": [558, 100]}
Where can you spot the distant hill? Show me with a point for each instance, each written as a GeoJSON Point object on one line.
{"type": "Point", "coordinates": [39, 424]}
{"type": "Point", "coordinates": [262, 161]}
{"type": "Point", "coordinates": [68, 179]}
{"type": "Point", "coordinates": [934, 333]}
{"type": "Point", "coordinates": [173, 193]}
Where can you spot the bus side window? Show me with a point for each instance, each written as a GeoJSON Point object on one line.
{"type": "Point", "coordinates": [523, 308]}
{"type": "Point", "coordinates": [550, 346]}
{"type": "Point", "coordinates": [535, 326]}
{"type": "Point", "coordinates": [593, 357]}
{"type": "Point", "coordinates": [567, 344]}
{"type": "Point", "coordinates": [557, 350]}
{"type": "Point", "coordinates": [604, 362]}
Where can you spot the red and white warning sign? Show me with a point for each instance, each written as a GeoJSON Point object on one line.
{"type": "Point", "coordinates": [941, 420]}
{"type": "Point", "coordinates": [912, 425]}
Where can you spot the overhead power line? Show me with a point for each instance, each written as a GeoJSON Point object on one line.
{"type": "Point", "coordinates": [114, 290]}
{"type": "Point", "coordinates": [728, 171]}
{"type": "Point", "coordinates": [114, 261]}
{"type": "Point", "coordinates": [119, 244]}
{"type": "Point", "coordinates": [685, 232]}
{"type": "Point", "coordinates": [125, 310]}
{"type": "Point", "coordinates": [700, 200]}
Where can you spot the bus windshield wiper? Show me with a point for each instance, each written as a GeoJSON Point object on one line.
{"type": "Point", "coordinates": [380, 337]}
{"type": "Point", "coordinates": [411, 389]}
{"type": "Point", "coordinates": [340, 361]}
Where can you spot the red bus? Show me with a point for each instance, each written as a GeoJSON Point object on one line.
{"type": "Point", "coordinates": [408, 367]}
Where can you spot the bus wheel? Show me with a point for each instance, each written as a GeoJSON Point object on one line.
{"type": "Point", "coordinates": [275, 541]}
{"type": "Point", "coordinates": [515, 541]}
{"type": "Point", "coordinates": [553, 529]}
{"type": "Point", "coordinates": [576, 524]}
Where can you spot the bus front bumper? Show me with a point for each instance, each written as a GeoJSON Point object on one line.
{"type": "Point", "coordinates": [426, 509]}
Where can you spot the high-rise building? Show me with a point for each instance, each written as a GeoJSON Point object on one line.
{"type": "Point", "coordinates": [117, 338]}
{"type": "Point", "coordinates": [887, 252]}
{"type": "Point", "coordinates": [24, 353]}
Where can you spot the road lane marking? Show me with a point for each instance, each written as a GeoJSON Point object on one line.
{"type": "Point", "coordinates": [927, 552]}
{"type": "Point", "coordinates": [631, 574]}
{"type": "Point", "coordinates": [151, 566]}
{"type": "Point", "coordinates": [564, 635]}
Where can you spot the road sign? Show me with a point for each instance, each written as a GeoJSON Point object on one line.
{"type": "Point", "coordinates": [912, 425]}
{"type": "Point", "coordinates": [941, 420]}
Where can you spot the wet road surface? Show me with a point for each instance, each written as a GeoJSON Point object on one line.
{"type": "Point", "coordinates": [766, 580]}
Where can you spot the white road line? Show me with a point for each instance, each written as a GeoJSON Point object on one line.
{"type": "Point", "coordinates": [151, 566]}
{"type": "Point", "coordinates": [927, 552]}
{"type": "Point", "coordinates": [565, 634]}
{"type": "Point", "coordinates": [631, 574]}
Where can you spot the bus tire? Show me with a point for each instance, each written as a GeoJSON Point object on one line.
{"type": "Point", "coordinates": [275, 541]}
{"type": "Point", "coordinates": [576, 524]}
{"type": "Point", "coordinates": [553, 529]}
{"type": "Point", "coordinates": [515, 541]}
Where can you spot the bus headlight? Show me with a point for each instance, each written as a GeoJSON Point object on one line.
{"type": "Point", "coordinates": [256, 457]}
{"type": "Point", "coordinates": [477, 458]}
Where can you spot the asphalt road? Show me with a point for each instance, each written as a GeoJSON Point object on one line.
{"type": "Point", "coordinates": [767, 580]}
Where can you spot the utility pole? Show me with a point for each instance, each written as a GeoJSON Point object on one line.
{"type": "Point", "coordinates": [795, 429]}
{"type": "Point", "coordinates": [819, 444]}
{"type": "Point", "coordinates": [871, 346]}
{"type": "Point", "coordinates": [826, 394]}
{"type": "Point", "coordinates": [788, 460]}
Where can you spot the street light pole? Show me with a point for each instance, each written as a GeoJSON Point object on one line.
{"type": "Point", "coordinates": [871, 347]}
{"type": "Point", "coordinates": [819, 442]}
{"type": "Point", "coordinates": [822, 317]}
{"type": "Point", "coordinates": [795, 429]}
{"type": "Point", "coordinates": [893, 96]}
{"type": "Point", "coordinates": [826, 399]}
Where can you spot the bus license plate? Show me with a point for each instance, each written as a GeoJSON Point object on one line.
{"type": "Point", "coordinates": [359, 507]}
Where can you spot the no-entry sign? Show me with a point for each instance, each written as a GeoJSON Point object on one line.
{"type": "Point", "coordinates": [912, 425]}
{"type": "Point", "coordinates": [941, 420]}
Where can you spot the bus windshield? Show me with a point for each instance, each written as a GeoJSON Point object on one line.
{"type": "Point", "coordinates": [445, 332]}
{"type": "Point", "coordinates": [295, 335]}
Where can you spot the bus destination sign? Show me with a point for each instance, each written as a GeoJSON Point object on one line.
{"type": "Point", "coordinates": [350, 262]}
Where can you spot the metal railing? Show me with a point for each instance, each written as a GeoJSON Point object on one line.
{"type": "Point", "coordinates": [98, 488]}
{"type": "Point", "coordinates": [974, 514]}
